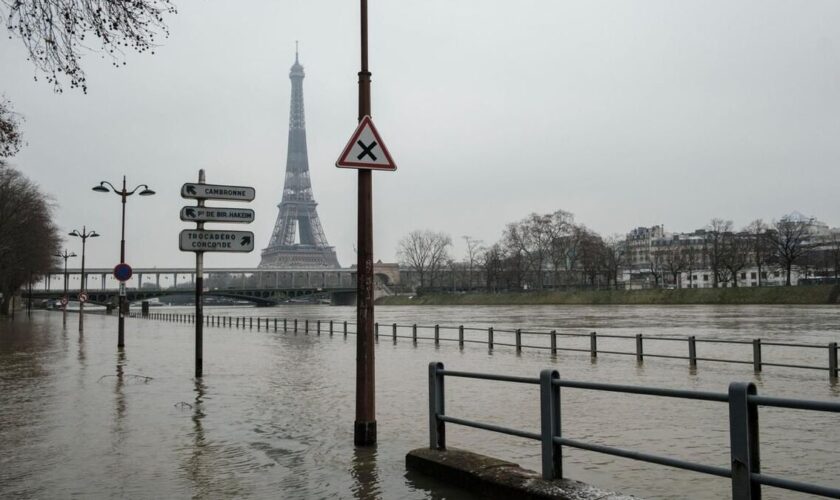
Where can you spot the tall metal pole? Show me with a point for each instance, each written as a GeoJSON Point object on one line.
{"type": "Point", "coordinates": [199, 300]}
{"type": "Point", "coordinates": [66, 298]}
{"type": "Point", "coordinates": [364, 432]}
{"type": "Point", "coordinates": [82, 285]}
{"type": "Point", "coordinates": [122, 297]}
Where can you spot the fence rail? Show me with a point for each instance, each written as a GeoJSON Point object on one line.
{"type": "Point", "coordinates": [743, 401]}
{"type": "Point", "coordinates": [545, 340]}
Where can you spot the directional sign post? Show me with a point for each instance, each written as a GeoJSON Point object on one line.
{"type": "Point", "coordinates": [199, 240]}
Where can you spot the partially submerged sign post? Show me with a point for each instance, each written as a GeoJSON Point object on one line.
{"type": "Point", "coordinates": [199, 240]}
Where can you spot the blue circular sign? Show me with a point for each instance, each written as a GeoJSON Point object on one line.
{"type": "Point", "coordinates": [122, 272]}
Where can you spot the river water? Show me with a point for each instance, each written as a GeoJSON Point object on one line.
{"type": "Point", "coordinates": [273, 415]}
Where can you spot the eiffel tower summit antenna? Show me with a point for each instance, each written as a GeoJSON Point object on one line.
{"type": "Point", "coordinates": [298, 240]}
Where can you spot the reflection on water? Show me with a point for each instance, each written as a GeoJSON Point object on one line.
{"type": "Point", "coordinates": [273, 415]}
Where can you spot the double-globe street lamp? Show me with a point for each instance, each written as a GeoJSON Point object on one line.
{"type": "Point", "coordinates": [66, 255]}
{"type": "Point", "coordinates": [84, 235]}
{"type": "Point", "coordinates": [123, 194]}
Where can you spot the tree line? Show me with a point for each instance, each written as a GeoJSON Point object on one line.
{"type": "Point", "coordinates": [553, 251]}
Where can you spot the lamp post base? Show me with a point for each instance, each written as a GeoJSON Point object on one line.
{"type": "Point", "coordinates": [364, 433]}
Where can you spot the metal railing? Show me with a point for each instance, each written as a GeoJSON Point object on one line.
{"type": "Point", "coordinates": [745, 473]}
{"type": "Point", "coordinates": [515, 340]}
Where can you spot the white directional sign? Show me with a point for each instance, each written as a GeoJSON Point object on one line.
{"type": "Point", "coordinates": [217, 214]}
{"type": "Point", "coordinates": [201, 240]}
{"type": "Point", "coordinates": [366, 149]}
{"type": "Point", "coordinates": [215, 192]}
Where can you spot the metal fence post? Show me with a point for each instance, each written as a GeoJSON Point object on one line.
{"type": "Point", "coordinates": [414, 333]}
{"type": "Point", "coordinates": [250, 322]}
{"type": "Point", "coordinates": [345, 329]}
{"type": "Point", "coordinates": [743, 438]}
{"type": "Point", "coordinates": [757, 355]}
{"type": "Point", "coordinates": [552, 458]}
{"type": "Point", "coordinates": [692, 351]}
{"type": "Point", "coordinates": [275, 324]}
{"type": "Point", "coordinates": [258, 324]}
{"type": "Point", "coordinates": [593, 345]}
{"type": "Point", "coordinates": [490, 338]}
{"type": "Point", "coordinates": [461, 336]}
{"type": "Point", "coordinates": [285, 329]}
{"type": "Point", "coordinates": [437, 334]}
{"type": "Point", "coordinates": [306, 326]}
{"type": "Point", "coordinates": [553, 342]}
{"type": "Point", "coordinates": [318, 327]}
{"type": "Point", "coordinates": [376, 331]}
{"type": "Point", "coordinates": [394, 332]}
{"type": "Point", "coordinates": [295, 325]}
{"type": "Point", "coordinates": [640, 354]}
{"type": "Point", "coordinates": [518, 340]}
{"type": "Point", "coordinates": [437, 427]}
{"type": "Point", "coordinates": [832, 361]}
{"type": "Point", "coordinates": [331, 328]}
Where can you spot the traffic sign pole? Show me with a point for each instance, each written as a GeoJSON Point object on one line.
{"type": "Point", "coordinates": [364, 427]}
{"type": "Point", "coordinates": [199, 297]}
{"type": "Point", "coordinates": [122, 298]}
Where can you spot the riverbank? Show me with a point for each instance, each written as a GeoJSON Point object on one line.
{"type": "Point", "coordinates": [816, 294]}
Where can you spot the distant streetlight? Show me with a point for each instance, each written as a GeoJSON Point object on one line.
{"type": "Point", "coordinates": [123, 194]}
{"type": "Point", "coordinates": [84, 235]}
{"type": "Point", "coordinates": [65, 256]}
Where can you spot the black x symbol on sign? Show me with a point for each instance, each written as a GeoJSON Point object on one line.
{"type": "Point", "coordinates": [366, 150]}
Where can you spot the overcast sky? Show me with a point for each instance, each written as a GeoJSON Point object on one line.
{"type": "Point", "coordinates": [625, 113]}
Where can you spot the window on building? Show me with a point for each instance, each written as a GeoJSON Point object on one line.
{"type": "Point", "coordinates": [705, 277]}
{"type": "Point", "coordinates": [764, 275]}
{"type": "Point", "coordinates": [752, 276]}
{"type": "Point", "coordinates": [743, 276]}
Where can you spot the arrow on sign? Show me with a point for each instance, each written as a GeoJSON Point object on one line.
{"type": "Point", "coordinates": [190, 189]}
{"type": "Point", "coordinates": [190, 212]}
{"type": "Point", "coordinates": [245, 241]}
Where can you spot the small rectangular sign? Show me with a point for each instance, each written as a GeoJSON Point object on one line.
{"type": "Point", "coordinates": [200, 240]}
{"type": "Point", "coordinates": [217, 192]}
{"type": "Point", "coordinates": [217, 214]}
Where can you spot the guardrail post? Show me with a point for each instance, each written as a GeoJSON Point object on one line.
{"type": "Point", "coordinates": [295, 325]}
{"type": "Point", "coordinates": [306, 326]}
{"type": "Point", "coordinates": [490, 338]}
{"type": "Point", "coordinates": [376, 332]}
{"type": "Point", "coordinates": [518, 340]}
{"type": "Point", "coordinates": [318, 327]}
{"type": "Point", "coordinates": [275, 324]}
{"type": "Point", "coordinates": [331, 328]}
{"type": "Point", "coordinates": [437, 427]}
{"type": "Point", "coordinates": [461, 336]}
{"type": "Point", "coordinates": [593, 345]}
{"type": "Point", "coordinates": [345, 329]}
{"type": "Point", "coordinates": [285, 329]}
{"type": "Point", "coordinates": [692, 351]}
{"type": "Point", "coordinates": [552, 458]}
{"type": "Point", "coordinates": [553, 342]}
{"type": "Point", "coordinates": [258, 324]}
{"type": "Point", "coordinates": [437, 334]}
{"type": "Point", "coordinates": [414, 333]}
{"type": "Point", "coordinates": [640, 353]}
{"type": "Point", "coordinates": [832, 360]}
{"type": "Point", "coordinates": [743, 438]}
{"type": "Point", "coordinates": [757, 355]}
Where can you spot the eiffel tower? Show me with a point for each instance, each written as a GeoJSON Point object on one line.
{"type": "Point", "coordinates": [298, 240]}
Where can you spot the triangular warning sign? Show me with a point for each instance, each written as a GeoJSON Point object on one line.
{"type": "Point", "coordinates": [366, 149]}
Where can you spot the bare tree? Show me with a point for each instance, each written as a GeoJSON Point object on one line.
{"type": "Point", "coordinates": [761, 247]}
{"type": "Point", "coordinates": [789, 239]}
{"type": "Point", "coordinates": [714, 248]}
{"type": "Point", "coordinates": [834, 252]}
{"type": "Point", "coordinates": [55, 32]}
{"type": "Point", "coordinates": [674, 260]}
{"type": "Point", "coordinates": [30, 239]}
{"type": "Point", "coordinates": [614, 251]}
{"type": "Point", "coordinates": [658, 257]}
{"type": "Point", "coordinates": [414, 251]}
{"type": "Point", "coordinates": [473, 252]}
{"type": "Point", "coordinates": [591, 255]}
{"type": "Point", "coordinates": [736, 254]}
{"type": "Point", "coordinates": [492, 261]}
{"type": "Point", "coordinates": [693, 259]}
{"type": "Point", "coordinates": [10, 136]}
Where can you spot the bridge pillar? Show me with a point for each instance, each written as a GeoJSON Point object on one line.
{"type": "Point", "coordinates": [157, 280]}
{"type": "Point", "coordinates": [139, 281]}
{"type": "Point", "coordinates": [175, 280]}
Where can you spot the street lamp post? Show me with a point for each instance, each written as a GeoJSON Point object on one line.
{"type": "Point", "coordinates": [84, 235]}
{"type": "Point", "coordinates": [66, 255]}
{"type": "Point", "coordinates": [123, 194]}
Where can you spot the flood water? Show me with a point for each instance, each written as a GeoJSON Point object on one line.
{"type": "Point", "coordinates": [273, 415]}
